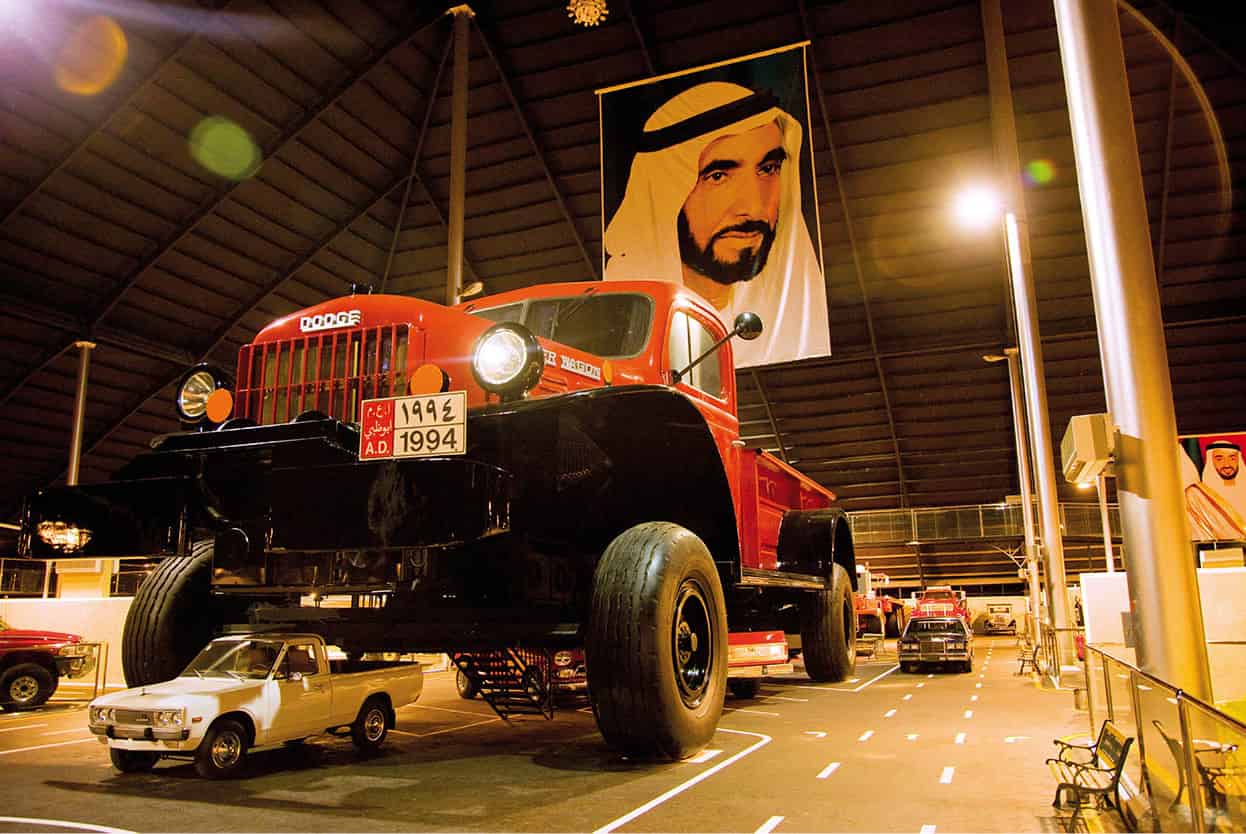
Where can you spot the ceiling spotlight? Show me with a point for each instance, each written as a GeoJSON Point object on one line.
{"type": "Point", "coordinates": [587, 12]}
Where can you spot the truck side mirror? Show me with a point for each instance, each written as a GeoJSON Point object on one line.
{"type": "Point", "coordinates": [747, 327]}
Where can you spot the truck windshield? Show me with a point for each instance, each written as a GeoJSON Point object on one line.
{"type": "Point", "coordinates": [235, 659]}
{"type": "Point", "coordinates": [610, 325]}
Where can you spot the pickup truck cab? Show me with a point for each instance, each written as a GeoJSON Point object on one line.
{"type": "Point", "coordinates": [936, 640]}
{"type": "Point", "coordinates": [32, 662]}
{"type": "Point", "coordinates": [249, 691]}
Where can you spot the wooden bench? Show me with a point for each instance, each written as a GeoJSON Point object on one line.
{"type": "Point", "coordinates": [1027, 655]}
{"type": "Point", "coordinates": [1092, 770]}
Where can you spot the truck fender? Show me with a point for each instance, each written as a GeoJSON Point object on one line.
{"type": "Point", "coordinates": [811, 541]}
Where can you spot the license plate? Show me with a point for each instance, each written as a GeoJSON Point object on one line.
{"type": "Point", "coordinates": [424, 425]}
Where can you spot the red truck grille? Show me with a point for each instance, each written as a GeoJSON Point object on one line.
{"type": "Point", "coordinates": [328, 372]}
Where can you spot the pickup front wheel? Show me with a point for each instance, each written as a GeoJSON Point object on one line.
{"type": "Point", "coordinates": [656, 643]}
{"type": "Point", "coordinates": [25, 686]}
{"type": "Point", "coordinates": [371, 726]}
{"type": "Point", "coordinates": [133, 761]}
{"type": "Point", "coordinates": [223, 751]}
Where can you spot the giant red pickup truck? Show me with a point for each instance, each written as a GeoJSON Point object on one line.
{"type": "Point", "coordinates": [547, 468]}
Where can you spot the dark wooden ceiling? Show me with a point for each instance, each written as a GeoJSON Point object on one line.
{"type": "Point", "coordinates": [110, 230]}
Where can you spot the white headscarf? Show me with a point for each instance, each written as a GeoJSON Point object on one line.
{"type": "Point", "coordinates": [642, 240]}
{"type": "Point", "coordinates": [1234, 493]}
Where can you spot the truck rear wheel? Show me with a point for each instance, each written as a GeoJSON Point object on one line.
{"type": "Point", "coordinates": [656, 645]}
{"type": "Point", "coordinates": [25, 686]}
{"type": "Point", "coordinates": [827, 630]}
{"type": "Point", "coordinates": [467, 688]}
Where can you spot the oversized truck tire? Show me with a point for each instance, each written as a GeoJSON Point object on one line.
{"type": "Point", "coordinates": [828, 630]}
{"type": "Point", "coordinates": [656, 643]}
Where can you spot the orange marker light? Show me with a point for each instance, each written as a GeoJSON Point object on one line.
{"type": "Point", "coordinates": [428, 379]}
{"type": "Point", "coordinates": [220, 405]}
{"type": "Point", "coordinates": [607, 372]}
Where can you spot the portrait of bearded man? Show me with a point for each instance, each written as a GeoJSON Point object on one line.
{"type": "Point", "coordinates": [713, 200]}
{"type": "Point", "coordinates": [1222, 472]}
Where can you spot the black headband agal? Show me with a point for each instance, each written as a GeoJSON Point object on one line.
{"type": "Point", "coordinates": [702, 123]}
{"type": "Point", "coordinates": [1223, 444]}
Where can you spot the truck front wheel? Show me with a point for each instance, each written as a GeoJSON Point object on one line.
{"type": "Point", "coordinates": [827, 630]}
{"type": "Point", "coordinates": [133, 761]}
{"type": "Point", "coordinates": [656, 644]}
{"type": "Point", "coordinates": [25, 686]}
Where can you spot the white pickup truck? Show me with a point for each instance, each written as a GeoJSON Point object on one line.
{"type": "Point", "coordinates": [247, 691]}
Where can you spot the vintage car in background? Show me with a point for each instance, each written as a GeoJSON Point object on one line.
{"type": "Point", "coordinates": [244, 692]}
{"type": "Point", "coordinates": [944, 640]}
{"type": "Point", "coordinates": [32, 662]}
{"type": "Point", "coordinates": [1000, 619]}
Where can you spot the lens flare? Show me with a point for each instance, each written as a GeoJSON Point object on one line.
{"type": "Point", "coordinates": [977, 207]}
{"type": "Point", "coordinates": [224, 148]}
{"type": "Point", "coordinates": [1039, 171]}
{"type": "Point", "coordinates": [92, 57]}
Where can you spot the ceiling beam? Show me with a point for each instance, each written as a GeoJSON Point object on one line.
{"type": "Point", "coordinates": [522, 115]}
{"type": "Point", "coordinates": [143, 86]}
{"type": "Point", "coordinates": [412, 28]}
{"type": "Point", "coordinates": [1167, 175]}
{"type": "Point", "coordinates": [645, 52]}
{"type": "Point", "coordinates": [858, 269]}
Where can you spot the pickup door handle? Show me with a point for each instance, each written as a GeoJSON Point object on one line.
{"type": "Point", "coordinates": [319, 688]}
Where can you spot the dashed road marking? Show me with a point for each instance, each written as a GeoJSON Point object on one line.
{"type": "Point", "coordinates": [920, 685]}
{"type": "Point", "coordinates": [769, 825]}
{"type": "Point", "coordinates": [45, 746]}
{"type": "Point", "coordinates": [785, 698]}
{"type": "Point", "coordinates": [753, 711]}
{"type": "Point", "coordinates": [969, 713]}
{"type": "Point", "coordinates": [866, 735]}
{"type": "Point", "coordinates": [973, 697]}
{"type": "Point", "coordinates": [828, 770]}
{"type": "Point", "coordinates": [815, 733]}
{"type": "Point", "coordinates": [946, 777]}
{"type": "Point", "coordinates": [26, 727]}
{"type": "Point", "coordinates": [911, 737]}
{"type": "Point", "coordinates": [928, 829]}
{"type": "Point", "coordinates": [960, 738]}
{"type": "Point", "coordinates": [908, 697]}
{"type": "Point", "coordinates": [889, 713]}
{"type": "Point", "coordinates": [977, 686]}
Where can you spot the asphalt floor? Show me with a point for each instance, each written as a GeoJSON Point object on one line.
{"type": "Point", "coordinates": [934, 752]}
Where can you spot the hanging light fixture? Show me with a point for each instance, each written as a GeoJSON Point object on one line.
{"type": "Point", "coordinates": [587, 12]}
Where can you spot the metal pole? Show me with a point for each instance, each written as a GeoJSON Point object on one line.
{"type": "Point", "coordinates": [1101, 484]}
{"type": "Point", "coordinates": [80, 407]}
{"type": "Point", "coordinates": [1023, 473]}
{"type": "Point", "coordinates": [1040, 433]}
{"type": "Point", "coordinates": [458, 155]}
{"type": "Point", "coordinates": [1159, 559]}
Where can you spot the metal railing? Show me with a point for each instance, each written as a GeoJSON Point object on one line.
{"type": "Point", "coordinates": [21, 578]}
{"type": "Point", "coordinates": [973, 521]}
{"type": "Point", "coordinates": [1187, 770]}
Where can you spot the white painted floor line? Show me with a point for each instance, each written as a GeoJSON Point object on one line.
{"type": "Point", "coordinates": [946, 777]}
{"type": "Point", "coordinates": [447, 709]}
{"type": "Point", "coordinates": [931, 675]}
{"type": "Point", "coordinates": [73, 826]}
{"type": "Point", "coordinates": [960, 738]}
{"type": "Point", "coordinates": [26, 727]}
{"type": "Point", "coordinates": [66, 732]}
{"type": "Point", "coordinates": [889, 713]}
{"type": "Point", "coordinates": [973, 697]}
{"type": "Point", "coordinates": [828, 770]}
{"type": "Point", "coordinates": [45, 746]}
{"type": "Point", "coordinates": [753, 711]}
{"type": "Point", "coordinates": [452, 729]}
{"type": "Point", "coordinates": [815, 733]}
{"type": "Point", "coordinates": [927, 829]}
{"type": "Point", "coordinates": [866, 735]}
{"type": "Point", "coordinates": [703, 757]}
{"type": "Point", "coordinates": [769, 825]}
{"type": "Point", "coordinates": [977, 685]}
{"type": "Point", "coordinates": [911, 737]}
{"type": "Point", "coordinates": [853, 680]}
{"type": "Point", "coordinates": [763, 740]}
{"type": "Point", "coordinates": [920, 685]}
{"type": "Point", "coordinates": [876, 677]}
{"type": "Point", "coordinates": [969, 713]}
{"type": "Point", "coordinates": [785, 698]}
{"type": "Point", "coordinates": [908, 697]}
{"type": "Point", "coordinates": [982, 676]}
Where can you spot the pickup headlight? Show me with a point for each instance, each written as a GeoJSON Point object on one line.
{"type": "Point", "coordinates": [102, 715]}
{"type": "Point", "coordinates": [168, 717]}
{"type": "Point", "coordinates": [562, 659]}
{"type": "Point", "coordinates": [507, 360]}
{"type": "Point", "coordinates": [74, 650]}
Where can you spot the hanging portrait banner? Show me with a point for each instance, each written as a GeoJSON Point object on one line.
{"type": "Point", "coordinates": [708, 181]}
{"type": "Point", "coordinates": [1214, 485]}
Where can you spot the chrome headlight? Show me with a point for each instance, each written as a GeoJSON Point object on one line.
{"type": "Point", "coordinates": [74, 650]}
{"type": "Point", "coordinates": [562, 658]}
{"type": "Point", "coordinates": [198, 398]}
{"type": "Point", "coordinates": [168, 718]}
{"type": "Point", "coordinates": [101, 715]}
{"type": "Point", "coordinates": [507, 360]}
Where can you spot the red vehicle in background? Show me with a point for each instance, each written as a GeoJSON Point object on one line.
{"type": "Point", "coordinates": [32, 662]}
{"type": "Point", "coordinates": [878, 613]}
{"type": "Point", "coordinates": [941, 601]}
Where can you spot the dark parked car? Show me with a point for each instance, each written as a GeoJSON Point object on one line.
{"type": "Point", "coordinates": [32, 662]}
{"type": "Point", "coordinates": [936, 640]}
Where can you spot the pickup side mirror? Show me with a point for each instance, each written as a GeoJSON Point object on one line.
{"type": "Point", "coordinates": [747, 326]}
{"type": "Point", "coordinates": [295, 676]}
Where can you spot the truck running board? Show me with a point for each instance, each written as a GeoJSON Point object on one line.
{"type": "Point", "coordinates": [511, 681]}
{"type": "Point", "coordinates": [780, 579]}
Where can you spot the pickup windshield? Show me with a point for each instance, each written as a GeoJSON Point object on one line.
{"type": "Point", "coordinates": [235, 659]}
{"type": "Point", "coordinates": [610, 325]}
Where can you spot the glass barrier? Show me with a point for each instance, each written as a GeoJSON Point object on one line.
{"type": "Point", "coordinates": [1187, 768]}
{"type": "Point", "coordinates": [973, 521]}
